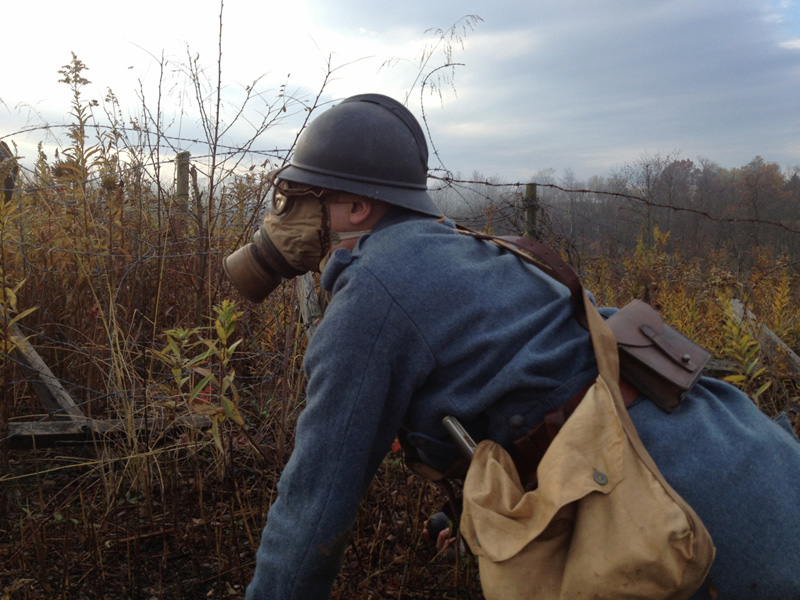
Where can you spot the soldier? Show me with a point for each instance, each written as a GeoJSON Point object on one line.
{"type": "Point", "coordinates": [425, 322]}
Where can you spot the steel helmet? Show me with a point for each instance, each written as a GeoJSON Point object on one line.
{"type": "Point", "coordinates": [370, 145]}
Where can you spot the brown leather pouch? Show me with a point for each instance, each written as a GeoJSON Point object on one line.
{"type": "Point", "coordinates": [657, 359]}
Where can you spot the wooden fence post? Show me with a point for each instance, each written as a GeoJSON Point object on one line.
{"type": "Point", "coordinates": [182, 178]}
{"type": "Point", "coordinates": [181, 194]}
{"type": "Point", "coordinates": [770, 343]}
{"type": "Point", "coordinates": [9, 171]}
{"type": "Point", "coordinates": [310, 305]}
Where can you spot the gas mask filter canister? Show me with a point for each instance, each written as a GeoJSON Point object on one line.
{"type": "Point", "coordinates": [295, 238]}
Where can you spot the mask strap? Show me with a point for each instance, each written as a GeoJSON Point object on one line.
{"type": "Point", "coordinates": [337, 236]}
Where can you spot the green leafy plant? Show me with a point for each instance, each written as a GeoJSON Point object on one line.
{"type": "Point", "coordinates": [204, 379]}
{"type": "Point", "coordinates": [743, 350]}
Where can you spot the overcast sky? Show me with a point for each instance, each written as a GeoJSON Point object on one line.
{"type": "Point", "coordinates": [586, 85]}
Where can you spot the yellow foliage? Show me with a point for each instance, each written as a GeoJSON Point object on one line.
{"type": "Point", "coordinates": [743, 350]}
{"type": "Point", "coordinates": [695, 298]}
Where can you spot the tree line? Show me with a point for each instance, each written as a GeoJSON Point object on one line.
{"type": "Point", "coordinates": [711, 212]}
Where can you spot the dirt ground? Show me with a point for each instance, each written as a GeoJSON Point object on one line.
{"type": "Point", "coordinates": [76, 525]}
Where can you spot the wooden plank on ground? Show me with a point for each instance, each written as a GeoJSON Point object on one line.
{"type": "Point", "coordinates": [45, 434]}
{"type": "Point", "coordinates": [54, 398]}
{"type": "Point", "coordinates": [769, 342]}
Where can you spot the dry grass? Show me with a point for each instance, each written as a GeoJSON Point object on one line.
{"type": "Point", "coordinates": [131, 317]}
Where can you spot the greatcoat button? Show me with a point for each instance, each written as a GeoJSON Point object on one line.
{"type": "Point", "coordinates": [516, 421]}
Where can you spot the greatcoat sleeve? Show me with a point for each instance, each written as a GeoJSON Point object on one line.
{"type": "Point", "coordinates": [363, 364]}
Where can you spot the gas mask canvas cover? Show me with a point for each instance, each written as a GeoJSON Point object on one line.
{"type": "Point", "coordinates": [295, 238]}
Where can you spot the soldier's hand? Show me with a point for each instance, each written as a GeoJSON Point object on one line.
{"type": "Point", "coordinates": [437, 529]}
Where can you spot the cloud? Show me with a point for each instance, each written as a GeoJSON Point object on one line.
{"type": "Point", "coordinates": [542, 85]}
{"type": "Point", "coordinates": [703, 78]}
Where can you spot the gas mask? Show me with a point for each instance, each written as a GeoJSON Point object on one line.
{"type": "Point", "coordinates": [295, 238]}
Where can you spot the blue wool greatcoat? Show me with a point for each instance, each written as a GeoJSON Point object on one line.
{"type": "Point", "coordinates": [426, 322]}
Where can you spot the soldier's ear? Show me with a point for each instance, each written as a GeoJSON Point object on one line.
{"type": "Point", "coordinates": [361, 211]}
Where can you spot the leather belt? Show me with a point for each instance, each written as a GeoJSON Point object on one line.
{"type": "Point", "coordinates": [529, 448]}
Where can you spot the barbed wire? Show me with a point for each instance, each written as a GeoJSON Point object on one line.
{"type": "Point", "coordinates": [160, 135]}
{"type": "Point", "coordinates": [447, 180]}
{"type": "Point", "coordinates": [64, 185]}
{"type": "Point", "coordinates": [628, 196]}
